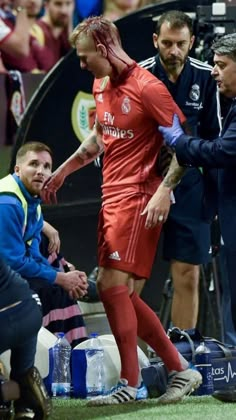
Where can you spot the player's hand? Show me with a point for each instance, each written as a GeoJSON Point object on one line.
{"type": "Point", "coordinates": [158, 207]}
{"type": "Point", "coordinates": [172, 134]}
{"type": "Point", "coordinates": [51, 186]}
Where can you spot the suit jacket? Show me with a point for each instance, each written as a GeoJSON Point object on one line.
{"type": "Point", "coordinates": [219, 153]}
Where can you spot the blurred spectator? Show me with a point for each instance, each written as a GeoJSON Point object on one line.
{"type": "Point", "coordinates": [36, 59]}
{"type": "Point", "coordinates": [53, 28]}
{"type": "Point", "coordinates": [115, 9]}
{"type": "Point", "coordinates": [85, 8]}
{"type": "Point", "coordinates": [15, 40]}
{"type": "Point", "coordinates": [47, 37]}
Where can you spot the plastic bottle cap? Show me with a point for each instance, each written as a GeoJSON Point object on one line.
{"type": "Point", "coordinates": [60, 335]}
{"type": "Point", "coordinates": [93, 335]}
{"type": "Point", "coordinates": [202, 348]}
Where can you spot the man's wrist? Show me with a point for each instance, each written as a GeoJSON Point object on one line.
{"type": "Point", "coordinates": [60, 277]}
{"type": "Point", "coordinates": [167, 188]}
{"type": "Point", "coordinates": [19, 9]}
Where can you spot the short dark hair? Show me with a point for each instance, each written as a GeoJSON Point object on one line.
{"type": "Point", "coordinates": [225, 45]}
{"type": "Point", "coordinates": [176, 19]}
{"type": "Point", "coordinates": [33, 146]}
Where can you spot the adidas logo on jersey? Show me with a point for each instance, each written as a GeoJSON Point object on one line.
{"type": "Point", "coordinates": [115, 256]}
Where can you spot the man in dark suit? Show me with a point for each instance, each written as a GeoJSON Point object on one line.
{"type": "Point", "coordinates": [219, 153]}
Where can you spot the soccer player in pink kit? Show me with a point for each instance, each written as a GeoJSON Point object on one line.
{"type": "Point", "coordinates": [131, 103]}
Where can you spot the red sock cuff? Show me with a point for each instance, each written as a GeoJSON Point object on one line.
{"type": "Point", "coordinates": [112, 291]}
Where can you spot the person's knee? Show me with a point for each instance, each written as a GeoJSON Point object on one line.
{"type": "Point", "coordinates": [185, 277]}
{"type": "Point", "coordinates": [139, 285]}
{"type": "Point", "coordinates": [110, 277]}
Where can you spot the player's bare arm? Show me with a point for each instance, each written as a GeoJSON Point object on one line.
{"type": "Point", "coordinates": [91, 148]}
{"type": "Point", "coordinates": [158, 207]}
{"type": "Point", "coordinates": [174, 174]}
{"type": "Point", "coordinates": [88, 151]}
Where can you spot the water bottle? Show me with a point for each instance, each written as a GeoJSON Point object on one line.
{"type": "Point", "coordinates": [95, 380]}
{"type": "Point", "coordinates": [61, 376]}
{"type": "Point", "coordinates": [204, 366]}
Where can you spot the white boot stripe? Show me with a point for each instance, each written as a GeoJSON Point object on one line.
{"type": "Point", "coordinates": [183, 383]}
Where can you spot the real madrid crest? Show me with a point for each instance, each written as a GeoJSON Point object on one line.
{"type": "Point", "coordinates": [194, 93]}
{"type": "Point", "coordinates": [125, 106]}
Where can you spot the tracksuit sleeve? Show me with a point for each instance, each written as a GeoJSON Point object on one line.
{"type": "Point", "coordinates": [219, 153]}
{"type": "Point", "coordinates": [13, 248]}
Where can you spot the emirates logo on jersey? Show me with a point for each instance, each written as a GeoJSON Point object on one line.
{"type": "Point", "coordinates": [126, 106]}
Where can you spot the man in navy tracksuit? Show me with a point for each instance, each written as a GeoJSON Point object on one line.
{"type": "Point", "coordinates": [221, 153]}
{"type": "Point", "coordinates": [187, 229]}
{"type": "Point", "coordinates": [20, 320]}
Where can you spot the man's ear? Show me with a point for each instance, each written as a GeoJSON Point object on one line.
{"type": "Point", "coordinates": [17, 170]}
{"type": "Point", "coordinates": [102, 49]}
{"type": "Point", "coordinates": [192, 41]}
{"type": "Point", "coordinates": [155, 38]}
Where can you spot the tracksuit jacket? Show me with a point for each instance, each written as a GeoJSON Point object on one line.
{"type": "Point", "coordinates": [21, 231]}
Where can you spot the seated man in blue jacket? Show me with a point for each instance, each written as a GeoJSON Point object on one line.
{"type": "Point", "coordinates": [219, 153]}
{"type": "Point", "coordinates": [21, 225]}
{"type": "Point", "coordinates": [20, 320]}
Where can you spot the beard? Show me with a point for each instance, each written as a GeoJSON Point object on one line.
{"type": "Point", "coordinates": [60, 22]}
{"type": "Point", "coordinates": [173, 63]}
